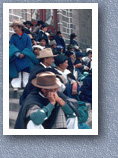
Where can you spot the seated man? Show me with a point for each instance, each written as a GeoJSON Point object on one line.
{"type": "Point", "coordinates": [46, 108]}
{"type": "Point", "coordinates": [46, 59]}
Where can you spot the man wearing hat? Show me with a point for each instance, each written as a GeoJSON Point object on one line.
{"type": "Point", "coordinates": [22, 59]}
{"type": "Point", "coordinates": [59, 40]}
{"type": "Point", "coordinates": [46, 59]}
{"type": "Point", "coordinates": [46, 108]}
{"type": "Point", "coordinates": [42, 32]}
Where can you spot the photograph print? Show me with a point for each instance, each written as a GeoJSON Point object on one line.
{"type": "Point", "coordinates": [52, 84]}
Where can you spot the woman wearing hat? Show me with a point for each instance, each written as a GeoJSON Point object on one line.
{"type": "Point", "coordinates": [46, 108]}
{"type": "Point", "coordinates": [22, 59]}
{"type": "Point", "coordinates": [42, 33]}
{"type": "Point", "coordinates": [37, 28]}
{"type": "Point", "coordinates": [27, 28]}
{"type": "Point", "coordinates": [59, 40]}
{"type": "Point", "coordinates": [79, 65]}
{"type": "Point", "coordinates": [72, 88]}
{"type": "Point", "coordinates": [73, 41]}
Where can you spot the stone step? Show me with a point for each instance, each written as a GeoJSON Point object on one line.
{"type": "Point", "coordinates": [89, 106]}
{"type": "Point", "coordinates": [12, 118]}
{"type": "Point", "coordinates": [14, 105]}
{"type": "Point", "coordinates": [89, 121]}
{"type": "Point", "coordinates": [11, 123]}
{"type": "Point", "coordinates": [16, 94]}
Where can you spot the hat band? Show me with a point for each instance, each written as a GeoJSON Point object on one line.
{"type": "Point", "coordinates": [46, 84]}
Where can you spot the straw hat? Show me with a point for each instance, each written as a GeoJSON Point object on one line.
{"type": "Point", "coordinates": [45, 53]}
{"type": "Point", "coordinates": [17, 22]}
{"type": "Point", "coordinates": [46, 80]}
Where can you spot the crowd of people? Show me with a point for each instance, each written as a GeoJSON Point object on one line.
{"type": "Point", "coordinates": [55, 77]}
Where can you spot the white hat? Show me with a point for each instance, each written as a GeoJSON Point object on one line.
{"type": "Point", "coordinates": [37, 46]}
{"type": "Point", "coordinates": [88, 49]}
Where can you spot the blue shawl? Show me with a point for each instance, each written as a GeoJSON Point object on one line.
{"type": "Point", "coordinates": [30, 56]}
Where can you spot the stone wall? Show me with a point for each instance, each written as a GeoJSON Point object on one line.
{"type": "Point", "coordinates": [64, 23]}
{"type": "Point", "coordinates": [78, 21]}
{"type": "Point", "coordinates": [85, 28]}
{"type": "Point", "coordinates": [20, 14]}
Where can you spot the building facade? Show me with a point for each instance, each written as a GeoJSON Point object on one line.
{"type": "Point", "coordinates": [78, 21]}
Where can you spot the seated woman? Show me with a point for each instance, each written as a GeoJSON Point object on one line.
{"type": "Point", "coordinates": [79, 65]}
{"type": "Point", "coordinates": [72, 87]}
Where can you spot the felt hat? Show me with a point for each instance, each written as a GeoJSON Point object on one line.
{"type": "Point", "coordinates": [28, 22]}
{"type": "Point", "coordinates": [73, 35]}
{"type": "Point", "coordinates": [58, 32]}
{"type": "Point", "coordinates": [40, 22]}
{"type": "Point", "coordinates": [79, 54]}
{"type": "Point", "coordinates": [53, 42]}
{"type": "Point", "coordinates": [18, 23]}
{"type": "Point", "coordinates": [46, 53]}
{"type": "Point", "coordinates": [43, 38]}
{"type": "Point", "coordinates": [70, 46]}
{"type": "Point", "coordinates": [60, 59]}
{"type": "Point", "coordinates": [68, 53]}
{"type": "Point", "coordinates": [44, 25]}
{"type": "Point", "coordinates": [46, 80]}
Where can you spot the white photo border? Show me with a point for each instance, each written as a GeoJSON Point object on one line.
{"type": "Point", "coordinates": [94, 7]}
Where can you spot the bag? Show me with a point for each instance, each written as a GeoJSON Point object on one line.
{"type": "Point", "coordinates": [83, 112]}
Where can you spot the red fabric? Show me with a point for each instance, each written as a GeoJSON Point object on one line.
{"type": "Point", "coordinates": [20, 34]}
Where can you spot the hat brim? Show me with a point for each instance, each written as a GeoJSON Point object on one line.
{"type": "Point", "coordinates": [38, 57]}
{"type": "Point", "coordinates": [46, 87]}
{"type": "Point", "coordinates": [16, 24]}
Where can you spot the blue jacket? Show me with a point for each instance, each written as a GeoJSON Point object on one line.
{"type": "Point", "coordinates": [31, 58]}
{"type": "Point", "coordinates": [60, 41]}
{"type": "Point", "coordinates": [21, 42]}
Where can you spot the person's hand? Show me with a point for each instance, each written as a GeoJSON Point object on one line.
{"type": "Point", "coordinates": [87, 68]}
{"type": "Point", "coordinates": [79, 65]}
{"type": "Point", "coordinates": [74, 88]}
{"type": "Point", "coordinates": [21, 56]}
{"type": "Point", "coordinates": [51, 98]}
{"type": "Point", "coordinates": [59, 100]}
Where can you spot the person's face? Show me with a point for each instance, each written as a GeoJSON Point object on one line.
{"type": "Point", "coordinates": [49, 61]}
{"type": "Point", "coordinates": [61, 50]}
{"type": "Point", "coordinates": [37, 51]}
{"type": "Point", "coordinates": [40, 25]}
{"type": "Point", "coordinates": [72, 56]}
{"type": "Point", "coordinates": [28, 26]}
{"type": "Point", "coordinates": [72, 50]}
{"type": "Point", "coordinates": [46, 91]}
{"type": "Point", "coordinates": [90, 56]}
{"type": "Point", "coordinates": [45, 29]}
{"type": "Point", "coordinates": [17, 29]}
{"type": "Point", "coordinates": [43, 42]}
{"type": "Point", "coordinates": [64, 65]}
{"type": "Point", "coordinates": [54, 46]}
{"type": "Point", "coordinates": [60, 35]}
